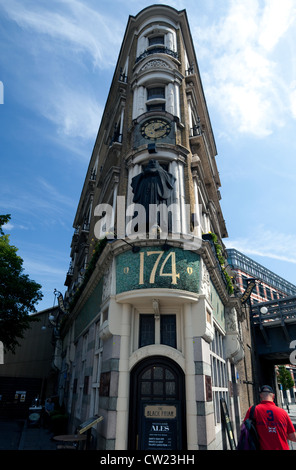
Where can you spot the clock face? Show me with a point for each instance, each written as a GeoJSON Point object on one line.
{"type": "Point", "coordinates": [155, 129]}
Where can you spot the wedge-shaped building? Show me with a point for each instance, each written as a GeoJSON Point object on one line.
{"type": "Point", "coordinates": [153, 338]}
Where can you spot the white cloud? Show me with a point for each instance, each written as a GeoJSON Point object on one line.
{"type": "Point", "coordinates": [266, 243]}
{"type": "Point", "coordinates": [8, 226]}
{"type": "Point", "coordinates": [40, 203]}
{"type": "Point", "coordinates": [37, 268]}
{"type": "Point", "coordinates": [276, 19]}
{"type": "Point", "coordinates": [75, 113]}
{"type": "Point", "coordinates": [54, 77]}
{"type": "Point", "coordinates": [293, 99]}
{"type": "Point", "coordinates": [72, 23]}
{"type": "Point", "coordinates": [52, 193]}
{"type": "Point", "coordinates": [243, 76]}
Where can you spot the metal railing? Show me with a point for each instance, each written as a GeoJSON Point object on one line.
{"type": "Point", "coordinates": [281, 309]}
{"type": "Point", "coordinates": [157, 50]}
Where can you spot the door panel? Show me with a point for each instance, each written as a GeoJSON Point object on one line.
{"type": "Point", "coordinates": [157, 406]}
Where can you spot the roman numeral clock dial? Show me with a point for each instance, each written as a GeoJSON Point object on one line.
{"type": "Point", "coordinates": [155, 129]}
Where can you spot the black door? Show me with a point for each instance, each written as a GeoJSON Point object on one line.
{"type": "Point", "coordinates": [157, 406]}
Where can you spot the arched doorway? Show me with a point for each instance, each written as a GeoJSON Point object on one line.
{"type": "Point", "coordinates": [157, 417]}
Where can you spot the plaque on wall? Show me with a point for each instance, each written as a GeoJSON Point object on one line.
{"type": "Point", "coordinates": [105, 384]}
{"type": "Point", "coordinates": [208, 383]}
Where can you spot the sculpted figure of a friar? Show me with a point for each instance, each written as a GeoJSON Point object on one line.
{"type": "Point", "coordinates": [154, 185]}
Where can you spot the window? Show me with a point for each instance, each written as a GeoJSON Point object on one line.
{"type": "Point", "coordinates": [219, 374]}
{"type": "Point", "coordinates": [116, 135]}
{"type": "Point", "coordinates": [97, 367]}
{"type": "Point", "coordinates": [147, 330]}
{"type": "Point", "coordinates": [261, 291]}
{"type": "Point", "coordinates": [152, 330]}
{"type": "Point", "coordinates": [168, 330]}
{"type": "Point", "coordinates": [156, 40]}
{"type": "Point", "coordinates": [156, 92]}
{"type": "Point", "coordinates": [156, 107]}
{"type": "Point", "coordinates": [156, 98]}
{"type": "Point", "coordinates": [158, 383]}
{"type": "Point", "coordinates": [75, 386]}
{"type": "Point", "coordinates": [84, 347]}
{"type": "Point", "coordinates": [245, 281]}
{"type": "Point", "coordinates": [268, 293]}
{"type": "Point", "coordinates": [85, 385]}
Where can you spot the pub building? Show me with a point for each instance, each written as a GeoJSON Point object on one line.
{"type": "Point", "coordinates": [153, 339]}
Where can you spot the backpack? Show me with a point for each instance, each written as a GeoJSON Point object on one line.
{"type": "Point", "coordinates": [249, 439]}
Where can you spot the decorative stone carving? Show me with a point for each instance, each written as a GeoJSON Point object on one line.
{"type": "Point", "coordinates": [233, 347]}
{"type": "Point", "coordinates": [156, 63]}
{"type": "Point", "coordinates": [231, 320]}
{"type": "Point", "coordinates": [205, 287]}
{"type": "Point", "coordinates": [104, 332]}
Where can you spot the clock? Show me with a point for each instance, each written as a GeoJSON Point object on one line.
{"type": "Point", "coordinates": [155, 129]}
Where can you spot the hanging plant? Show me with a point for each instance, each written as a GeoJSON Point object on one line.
{"type": "Point", "coordinates": [212, 237]}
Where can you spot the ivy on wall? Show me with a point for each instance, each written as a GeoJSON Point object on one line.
{"type": "Point", "coordinates": [212, 237]}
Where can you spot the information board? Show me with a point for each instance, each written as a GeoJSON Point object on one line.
{"type": "Point", "coordinates": [160, 426]}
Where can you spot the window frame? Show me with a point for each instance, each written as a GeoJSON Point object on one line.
{"type": "Point", "coordinates": [153, 38]}
{"type": "Point", "coordinates": [219, 374]}
{"type": "Point", "coordinates": [157, 326]}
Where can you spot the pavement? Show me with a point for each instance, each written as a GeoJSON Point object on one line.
{"type": "Point", "coordinates": [18, 435]}
{"type": "Point", "coordinates": [36, 438]}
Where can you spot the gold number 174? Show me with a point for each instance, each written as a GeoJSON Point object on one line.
{"type": "Point", "coordinates": [172, 256]}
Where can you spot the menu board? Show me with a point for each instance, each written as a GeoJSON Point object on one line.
{"type": "Point", "coordinates": [160, 426]}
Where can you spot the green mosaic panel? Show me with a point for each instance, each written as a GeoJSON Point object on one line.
{"type": "Point", "coordinates": [218, 306]}
{"type": "Point", "coordinates": [90, 309]}
{"type": "Point", "coordinates": [153, 267]}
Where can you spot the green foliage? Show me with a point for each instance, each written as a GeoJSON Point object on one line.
{"type": "Point", "coordinates": [221, 259]}
{"type": "Point", "coordinates": [284, 378]}
{"type": "Point", "coordinates": [18, 294]}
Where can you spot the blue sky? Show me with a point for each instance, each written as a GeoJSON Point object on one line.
{"type": "Point", "coordinates": [57, 61]}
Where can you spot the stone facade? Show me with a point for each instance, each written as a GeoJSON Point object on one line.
{"type": "Point", "coordinates": [154, 339]}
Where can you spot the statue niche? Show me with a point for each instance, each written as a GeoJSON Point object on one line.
{"type": "Point", "coordinates": [154, 185]}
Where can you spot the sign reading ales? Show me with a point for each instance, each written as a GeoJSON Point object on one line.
{"type": "Point", "coordinates": [154, 267]}
{"type": "Point", "coordinates": [159, 427]}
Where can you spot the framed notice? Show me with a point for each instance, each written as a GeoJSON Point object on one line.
{"type": "Point", "coordinates": [160, 426]}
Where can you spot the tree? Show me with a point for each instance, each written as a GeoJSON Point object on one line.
{"type": "Point", "coordinates": [18, 294]}
{"type": "Point", "coordinates": [285, 379]}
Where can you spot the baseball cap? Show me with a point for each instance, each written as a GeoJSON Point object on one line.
{"type": "Point", "coordinates": [266, 388]}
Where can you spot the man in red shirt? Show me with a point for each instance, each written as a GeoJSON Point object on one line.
{"type": "Point", "coordinates": [273, 424]}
